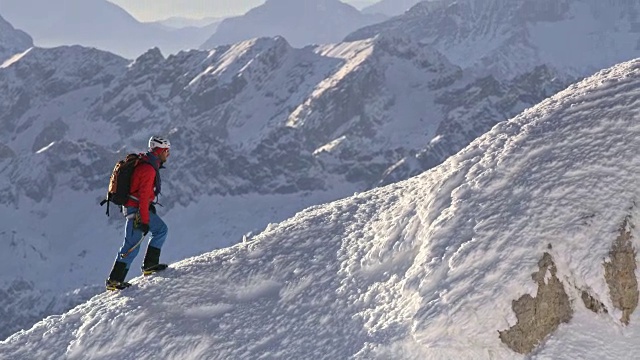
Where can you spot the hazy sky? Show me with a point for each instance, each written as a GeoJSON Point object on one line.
{"type": "Point", "coordinates": [149, 10]}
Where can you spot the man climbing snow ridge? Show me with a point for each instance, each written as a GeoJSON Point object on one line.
{"type": "Point", "coordinates": [141, 217]}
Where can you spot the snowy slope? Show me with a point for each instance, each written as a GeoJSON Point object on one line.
{"type": "Point", "coordinates": [12, 41]}
{"type": "Point", "coordinates": [301, 22]}
{"type": "Point", "coordinates": [96, 23]}
{"type": "Point", "coordinates": [426, 268]}
{"type": "Point", "coordinates": [507, 38]}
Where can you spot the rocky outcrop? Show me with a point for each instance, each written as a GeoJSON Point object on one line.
{"type": "Point", "coordinates": [620, 273]}
{"type": "Point", "coordinates": [593, 304]}
{"type": "Point", "coordinates": [541, 315]}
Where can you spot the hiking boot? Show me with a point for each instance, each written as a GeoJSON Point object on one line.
{"type": "Point", "coordinates": [151, 263]}
{"type": "Point", "coordinates": [113, 285]}
{"type": "Point", "coordinates": [117, 276]}
{"type": "Point", "coordinates": [154, 269]}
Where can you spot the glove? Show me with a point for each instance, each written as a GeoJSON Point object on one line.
{"type": "Point", "coordinates": [144, 228]}
{"type": "Point", "coordinates": [152, 208]}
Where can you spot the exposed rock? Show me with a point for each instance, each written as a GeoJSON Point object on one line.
{"type": "Point", "coordinates": [620, 275]}
{"type": "Point", "coordinates": [540, 316]}
{"type": "Point", "coordinates": [592, 303]}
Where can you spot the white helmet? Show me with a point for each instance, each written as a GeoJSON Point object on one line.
{"type": "Point", "coordinates": [159, 142]}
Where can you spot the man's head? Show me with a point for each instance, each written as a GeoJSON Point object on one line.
{"type": "Point", "coordinates": [160, 146]}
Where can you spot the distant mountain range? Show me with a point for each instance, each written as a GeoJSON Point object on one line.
{"type": "Point", "coordinates": [300, 22]}
{"type": "Point", "coordinates": [106, 26]}
{"type": "Point", "coordinates": [96, 23]}
{"type": "Point", "coordinates": [507, 38]}
{"type": "Point", "coordinates": [518, 41]}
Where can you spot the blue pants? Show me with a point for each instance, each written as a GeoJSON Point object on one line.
{"type": "Point", "coordinates": [157, 228]}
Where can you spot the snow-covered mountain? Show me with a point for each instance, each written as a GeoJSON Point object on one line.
{"type": "Point", "coordinates": [96, 23]}
{"type": "Point", "coordinates": [522, 246]}
{"type": "Point", "coordinates": [507, 38]}
{"type": "Point", "coordinates": [300, 22]}
{"type": "Point", "coordinates": [12, 41]}
{"type": "Point", "coordinates": [520, 42]}
{"type": "Point", "coordinates": [260, 130]}
{"type": "Point", "coordinates": [473, 110]}
{"type": "Point", "coordinates": [390, 7]}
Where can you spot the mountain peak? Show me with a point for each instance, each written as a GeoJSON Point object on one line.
{"type": "Point", "coordinates": [153, 55]}
{"type": "Point", "coordinates": [300, 22]}
{"type": "Point", "coordinates": [12, 41]}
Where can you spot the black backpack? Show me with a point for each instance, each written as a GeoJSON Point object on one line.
{"type": "Point", "coordinates": [120, 182]}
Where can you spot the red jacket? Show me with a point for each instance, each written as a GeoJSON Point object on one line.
{"type": "Point", "coordinates": [143, 182]}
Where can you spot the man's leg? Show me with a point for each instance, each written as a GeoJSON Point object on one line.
{"type": "Point", "coordinates": [131, 247]}
{"type": "Point", "coordinates": [125, 256]}
{"type": "Point", "coordinates": [159, 231]}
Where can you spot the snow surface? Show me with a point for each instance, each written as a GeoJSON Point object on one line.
{"type": "Point", "coordinates": [422, 269]}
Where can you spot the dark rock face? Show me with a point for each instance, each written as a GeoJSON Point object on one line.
{"type": "Point", "coordinates": [620, 274]}
{"type": "Point", "coordinates": [541, 315]}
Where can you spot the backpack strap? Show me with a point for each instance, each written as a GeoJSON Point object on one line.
{"type": "Point", "coordinates": [106, 200]}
